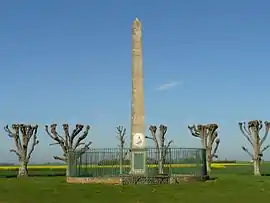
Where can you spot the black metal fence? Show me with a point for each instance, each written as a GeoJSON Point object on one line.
{"type": "Point", "coordinates": [116, 161]}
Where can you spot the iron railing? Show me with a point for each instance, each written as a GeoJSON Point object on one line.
{"type": "Point", "coordinates": [116, 161]}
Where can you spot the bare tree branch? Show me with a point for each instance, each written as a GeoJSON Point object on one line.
{"type": "Point", "coordinates": [30, 133]}
{"type": "Point", "coordinates": [267, 126]}
{"type": "Point", "coordinates": [246, 150]}
{"type": "Point", "coordinates": [56, 143]}
{"type": "Point", "coordinates": [162, 132]}
{"type": "Point", "coordinates": [10, 134]}
{"type": "Point", "coordinates": [247, 130]}
{"type": "Point", "coordinates": [260, 125]}
{"type": "Point", "coordinates": [53, 134]}
{"type": "Point", "coordinates": [265, 148]}
{"type": "Point", "coordinates": [17, 153]}
{"type": "Point", "coordinates": [14, 135]}
{"type": "Point", "coordinates": [150, 138]}
{"type": "Point", "coordinates": [67, 136]}
{"type": "Point", "coordinates": [85, 147]}
{"type": "Point", "coordinates": [67, 141]}
{"type": "Point", "coordinates": [83, 136]}
{"type": "Point", "coordinates": [153, 130]}
{"type": "Point", "coordinates": [194, 131]}
{"type": "Point", "coordinates": [121, 133]}
{"type": "Point", "coordinates": [242, 126]}
{"type": "Point", "coordinates": [76, 131]}
{"type": "Point", "coordinates": [167, 147]}
{"type": "Point", "coordinates": [211, 134]}
{"type": "Point", "coordinates": [60, 158]}
{"type": "Point", "coordinates": [216, 148]}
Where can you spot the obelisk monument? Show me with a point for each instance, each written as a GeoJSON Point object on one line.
{"type": "Point", "coordinates": [138, 154]}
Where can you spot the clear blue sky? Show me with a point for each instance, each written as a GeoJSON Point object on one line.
{"type": "Point", "coordinates": [70, 61]}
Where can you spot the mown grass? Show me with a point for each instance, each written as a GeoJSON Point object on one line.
{"type": "Point", "coordinates": [234, 184]}
{"type": "Point", "coordinates": [227, 188]}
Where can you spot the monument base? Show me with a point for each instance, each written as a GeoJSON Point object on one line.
{"type": "Point", "coordinates": [161, 179]}
{"type": "Point", "coordinates": [137, 179]}
{"type": "Point", "coordinates": [138, 162]}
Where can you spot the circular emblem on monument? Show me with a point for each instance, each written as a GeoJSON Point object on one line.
{"type": "Point", "coordinates": [138, 140]}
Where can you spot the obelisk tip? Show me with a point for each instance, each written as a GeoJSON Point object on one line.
{"type": "Point", "coordinates": [137, 21]}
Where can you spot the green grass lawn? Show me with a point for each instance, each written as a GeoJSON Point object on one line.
{"type": "Point", "coordinates": [234, 184]}
{"type": "Point", "coordinates": [227, 188]}
{"type": "Point", "coordinates": [241, 170]}
{"type": "Point", "coordinates": [34, 172]}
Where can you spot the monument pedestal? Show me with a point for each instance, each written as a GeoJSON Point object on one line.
{"type": "Point", "coordinates": [138, 162]}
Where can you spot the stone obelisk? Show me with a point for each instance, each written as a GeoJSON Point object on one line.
{"type": "Point", "coordinates": [137, 111]}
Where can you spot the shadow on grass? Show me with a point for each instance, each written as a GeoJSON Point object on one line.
{"type": "Point", "coordinates": [213, 178]}
{"type": "Point", "coordinates": [34, 175]}
{"type": "Point", "coordinates": [266, 174]}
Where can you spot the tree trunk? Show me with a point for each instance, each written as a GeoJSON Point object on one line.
{"type": "Point", "coordinates": [67, 171]}
{"type": "Point", "coordinates": [121, 160]}
{"type": "Point", "coordinates": [160, 166]}
{"type": "Point", "coordinates": [69, 159]}
{"type": "Point", "coordinates": [23, 171]}
{"type": "Point", "coordinates": [257, 158]}
{"type": "Point", "coordinates": [70, 165]}
{"type": "Point", "coordinates": [208, 161]}
{"type": "Point", "coordinates": [256, 165]}
{"type": "Point", "coordinates": [160, 161]}
{"type": "Point", "coordinates": [208, 166]}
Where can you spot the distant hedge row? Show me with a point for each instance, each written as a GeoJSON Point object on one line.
{"type": "Point", "coordinates": [224, 161]}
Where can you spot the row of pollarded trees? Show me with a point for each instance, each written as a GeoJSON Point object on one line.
{"type": "Point", "coordinates": [251, 130]}
{"type": "Point", "coordinates": [25, 139]}
{"type": "Point", "coordinates": [73, 140]}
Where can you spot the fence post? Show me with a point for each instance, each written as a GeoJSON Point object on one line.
{"type": "Point", "coordinates": [204, 164]}
{"type": "Point", "coordinates": [170, 161]}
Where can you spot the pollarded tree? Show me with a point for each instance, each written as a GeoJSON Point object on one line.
{"type": "Point", "coordinates": [160, 145]}
{"type": "Point", "coordinates": [22, 142]}
{"type": "Point", "coordinates": [251, 131]}
{"type": "Point", "coordinates": [121, 136]}
{"type": "Point", "coordinates": [209, 136]}
{"type": "Point", "coordinates": [69, 142]}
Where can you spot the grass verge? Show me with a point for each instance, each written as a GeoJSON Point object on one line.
{"type": "Point", "coordinates": [227, 188]}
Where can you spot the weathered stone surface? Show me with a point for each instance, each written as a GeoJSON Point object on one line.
{"type": "Point", "coordinates": [136, 179]}
{"type": "Point", "coordinates": [97, 180]}
{"type": "Point", "coordinates": [155, 180]}
{"type": "Point", "coordinates": [137, 119]}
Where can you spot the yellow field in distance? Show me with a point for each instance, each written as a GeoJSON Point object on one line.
{"type": "Point", "coordinates": [215, 165]}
